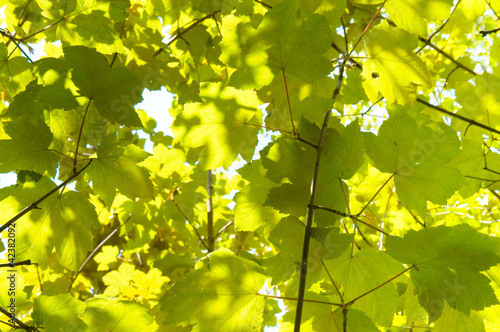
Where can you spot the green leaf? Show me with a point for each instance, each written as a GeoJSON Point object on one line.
{"type": "Point", "coordinates": [63, 221]}
{"type": "Point", "coordinates": [362, 272]}
{"type": "Point", "coordinates": [37, 98]}
{"type": "Point", "coordinates": [447, 266]}
{"type": "Point", "coordinates": [293, 45]}
{"type": "Point", "coordinates": [222, 295]}
{"type": "Point", "coordinates": [417, 155]}
{"type": "Point", "coordinates": [343, 153]}
{"type": "Point", "coordinates": [250, 212]}
{"type": "Point", "coordinates": [115, 168]}
{"type": "Point", "coordinates": [392, 69]}
{"type": "Point", "coordinates": [114, 91]}
{"type": "Point", "coordinates": [283, 44]}
{"type": "Point", "coordinates": [121, 316]}
{"type": "Point", "coordinates": [321, 317]}
{"type": "Point", "coordinates": [411, 15]}
{"type": "Point", "coordinates": [225, 124]}
{"type": "Point", "coordinates": [454, 320]}
{"type": "Point", "coordinates": [480, 101]}
{"type": "Point", "coordinates": [59, 313]}
{"type": "Point", "coordinates": [28, 148]}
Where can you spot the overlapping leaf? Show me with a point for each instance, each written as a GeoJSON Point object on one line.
{"type": "Point", "coordinates": [362, 272]}
{"type": "Point", "coordinates": [411, 15]}
{"type": "Point", "coordinates": [59, 313]}
{"type": "Point", "coordinates": [219, 296]}
{"type": "Point", "coordinates": [64, 222]}
{"type": "Point", "coordinates": [417, 155]}
{"type": "Point", "coordinates": [250, 211]}
{"type": "Point", "coordinates": [448, 262]}
{"type": "Point", "coordinates": [27, 148]}
{"type": "Point", "coordinates": [116, 168]}
{"type": "Point", "coordinates": [114, 91]}
{"type": "Point", "coordinates": [119, 316]}
{"type": "Point", "coordinates": [225, 125]}
{"type": "Point", "coordinates": [392, 69]}
{"type": "Point", "coordinates": [341, 158]}
{"type": "Point", "coordinates": [283, 44]}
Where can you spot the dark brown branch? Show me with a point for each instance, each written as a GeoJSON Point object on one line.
{"type": "Point", "coordinates": [75, 161]}
{"type": "Point", "coordinates": [34, 205]}
{"type": "Point", "coordinates": [19, 323]}
{"type": "Point", "coordinates": [442, 25]}
{"type": "Point", "coordinates": [310, 206]}
{"type": "Point", "coordinates": [264, 4]}
{"type": "Point", "coordinates": [16, 42]}
{"type": "Point", "coordinates": [92, 254]}
{"type": "Point", "coordinates": [366, 29]}
{"type": "Point", "coordinates": [446, 55]}
{"type": "Point", "coordinates": [294, 299]}
{"type": "Point", "coordinates": [458, 116]}
{"type": "Point", "coordinates": [210, 214]}
{"type": "Point", "coordinates": [307, 142]}
{"type": "Point", "coordinates": [26, 262]}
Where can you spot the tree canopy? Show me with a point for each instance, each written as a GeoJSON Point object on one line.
{"type": "Point", "coordinates": [368, 199]}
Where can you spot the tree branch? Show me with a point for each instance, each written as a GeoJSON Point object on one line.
{"type": "Point", "coordinates": [19, 323]}
{"type": "Point", "coordinates": [210, 214]}
{"type": "Point", "coordinates": [75, 161]}
{"type": "Point", "coordinates": [446, 55]}
{"type": "Point", "coordinates": [310, 206]}
{"type": "Point", "coordinates": [347, 215]}
{"type": "Point", "coordinates": [11, 265]}
{"type": "Point", "coordinates": [92, 254]}
{"type": "Point", "coordinates": [294, 299]}
{"type": "Point", "coordinates": [181, 33]}
{"type": "Point", "coordinates": [458, 116]}
{"type": "Point", "coordinates": [34, 205]}
{"type": "Point", "coordinates": [190, 223]}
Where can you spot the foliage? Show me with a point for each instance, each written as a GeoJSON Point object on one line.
{"type": "Point", "coordinates": [369, 196]}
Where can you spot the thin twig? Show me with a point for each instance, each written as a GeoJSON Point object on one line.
{"type": "Point", "coordinates": [224, 228]}
{"type": "Point", "coordinates": [75, 160]}
{"type": "Point", "coordinates": [190, 223]}
{"type": "Point", "coordinates": [367, 28]}
{"type": "Point", "coordinates": [333, 283]}
{"type": "Point", "coordinates": [181, 33]}
{"type": "Point", "coordinates": [458, 116]}
{"type": "Point", "coordinates": [377, 287]}
{"type": "Point", "coordinates": [210, 213]}
{"type": "Point", "coordinates": [92, 254]}
{"type": "Point", "coordinates": [442, 25]}
{"type": "Point", "coordinates": [448, 56]}
{"type": "Point", "coordinates": [288, 101]}
{"type": "Point", "coordinates": [346, 215]}
{"type": "Point", "coordinates": [375, 195]}
{"type": "Point", "coordinates": [294, 299]}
